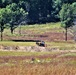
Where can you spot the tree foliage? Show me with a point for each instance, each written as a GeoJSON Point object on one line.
{"type": "Point", "coordinates": [39, 10]}
{"type": "Point", "coordinates": [11, 15]}
{"type": "Point", "coordinates": [66, 16]}
{"type": "Point", "coordinates": [3, 20]}
{"type": "Point", "coordinates": [74, 8]}
{"type": "Point", "coordinates": [15, 16]}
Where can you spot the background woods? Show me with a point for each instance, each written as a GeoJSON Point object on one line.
{"type": "Point", "coordinates": [13, 13]}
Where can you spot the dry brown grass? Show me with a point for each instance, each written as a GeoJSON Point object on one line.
{"type": "Point", "coordinates": [39, 69]}
{"type": "Point", "coordinates": [60, 64]}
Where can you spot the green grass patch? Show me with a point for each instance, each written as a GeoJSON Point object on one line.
{"type": "Point", "coordinates": [69, 45]}
{"type": "Point", "coordinates": [69, 54]}
{"type": "Point", "coordinates": [15, 53]}
{"type": "Point", "coordinates": [11, 43]}
{"type": "Point", "coordinates": [41, 28]}
{"type": "Point", "coordinates": [36, 29]}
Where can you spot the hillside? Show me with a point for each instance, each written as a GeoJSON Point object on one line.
{"type": "Point", "coordinates": [47, 32]}
{"type": "Point", "coordinates": [25, 37]}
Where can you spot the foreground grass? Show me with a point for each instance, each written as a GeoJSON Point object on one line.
{"type": "Point", "coordinates": [56, 64]}
{"type": "Point", "coordinates": [39, 70]}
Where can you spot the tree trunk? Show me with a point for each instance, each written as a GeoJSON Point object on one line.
{"type": "Point", "coordinates": [1, 33]}
{"type": "Point", "coordinates": [12, 30]}
{"type": "Point", "coordinates": [66, 34]}
{"type": "Point", "coordinates": [1, 36]}
{"type": "Point", "coordinates": [2, 28]}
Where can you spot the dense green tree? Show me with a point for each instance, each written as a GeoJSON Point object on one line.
{"type": "Point", "coordinates": [3, 20]}
{"type": "Point", "coordinates": [56, 5]}
{"type": "Point", "coordinates": [46, 10]}
{"type": "Point", "coordinates": [69, 1]}
{"type": "Point", "coordinates": [39, 10]}
{"type": "Point", "coordinates": [74, 8]}
{"type": "Point", "coordinates": [16, 15]}
{"type": "Point", "coordinates": [66, 17]}
{"type": "Point", "coordinates": [12, 15]}
{"type": "Point", "coordinates": [4, 3]}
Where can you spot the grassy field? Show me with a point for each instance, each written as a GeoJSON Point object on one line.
{"type": "Point", "coordinates": [38, 69]}
{"type": "Point", "coordinates": [55, 63]}
{"type": "Point", "coordinates": [46, 32]}
{"type": "Point", "coordinates": [38, 63]}
{"type": "Point", "coordinates": [12, 43]}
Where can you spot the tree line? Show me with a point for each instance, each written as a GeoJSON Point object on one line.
{"type": "Point", "coordinates": [14, 12]}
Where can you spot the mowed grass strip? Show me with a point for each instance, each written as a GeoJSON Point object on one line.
{"type": "Point", "coordinates": [12, 43]}
{"type": "Point", "coordinates": [62, 45]}
{"type": "Point", "coordinates": [69, 54]}
{"type": "Point", "coordinates": [21, 53]}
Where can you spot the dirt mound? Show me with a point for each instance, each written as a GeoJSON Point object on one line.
{"type": "Point", "coordinates": [27, 48]}
{"type": "Point", "coordinates": [32, 49]}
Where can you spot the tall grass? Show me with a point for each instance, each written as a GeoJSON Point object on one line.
{"type": "Point", "coordinates": [38, 69]}
{"type": "Point", "coordinates": [60, 64]}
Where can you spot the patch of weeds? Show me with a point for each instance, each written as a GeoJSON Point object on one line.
{"type": "Point", "coordinates": [37, 60]}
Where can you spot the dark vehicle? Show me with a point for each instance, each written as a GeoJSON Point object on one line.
{"type": "Point", "coordinates": [41, 43]}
